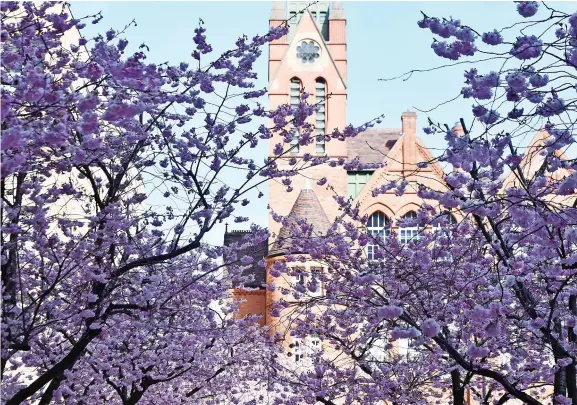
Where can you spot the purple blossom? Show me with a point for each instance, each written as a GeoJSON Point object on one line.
{"type": "Point", "coordinates": [516, 82]}
{"type": "Point", "coordinates": [527, 8]}
{"type": "Point", "coordinates": [389, 312]}
{"type": "Point", "coordinates": [492, 38]}
{"type": "Point", "coordinates": [539, 81]}
{"type": "Point", "coordinates": [200, 40]}
{"type": "Point", "coordinates": [430, 328]}
{"type": "Point", "coordinates": [246, 260]}
{"type": "Point", "coordinates": [535, 96]}
{"type": "Point", "coordinates": [242, 109]}
{"type": "Point", "coordinates": [477, 352]}
{"type": "Point", "coordinates": [490, 117]}
{"type": "Point", "coordinates": [553, 106]}
{"type": "Point", "coordinates": [515, 113]}
{"type": "Point", "coordinates": [527, 47]}
{"type": "Point", "coordinates": [560, 33]}
{"type": "Point", "coordinates": [479, 110]}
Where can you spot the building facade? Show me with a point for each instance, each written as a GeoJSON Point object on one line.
{"type": "Point", "coordinates": [312, 58]}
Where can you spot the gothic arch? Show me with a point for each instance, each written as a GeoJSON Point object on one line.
{"type": "Point", "coordinates": [320, 79]}
{"type": "Point", "coordinates": [378, 206]}
{"type": "Point", "coordinates": [410, 206]}
{"type": "Point", "coordinates": [292, 80]}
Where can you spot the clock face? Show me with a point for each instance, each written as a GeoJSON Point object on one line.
{"type": "Point", "coordinates": [308, 51]}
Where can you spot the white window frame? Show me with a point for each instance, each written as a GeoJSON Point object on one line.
{"type": "Point", "coordinates": [295, 93]}
{"type": "Point", "coordinates": [320, 124]}
{"type": "Point", "coordinates": [377, 231]}
{"type": "Point", "coordinates": [408, 234]}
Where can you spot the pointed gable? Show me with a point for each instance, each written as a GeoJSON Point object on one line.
{"type": "Point", "coordinates": [307, 30]}
{"type": "Point", "coordinates": [307, 207]}
{"type": "Point", "coordinates": [400, 160]}
{"type": "Point", "coordinates": [533, 160]}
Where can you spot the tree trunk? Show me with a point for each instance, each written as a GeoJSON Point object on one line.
{"type": "Point", "coordinates": [560, 384]}
{"type": "Point", "coordinates": [458, 389]}
{"type": "Point", "coordinates": [570, 369]}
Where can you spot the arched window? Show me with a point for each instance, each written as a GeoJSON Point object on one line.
{"type": "Point", "coordinates": [444, 221]}
{"type": "Point", "coordinates": [321, 116]}
{"type": "Point", "coordinates": [376, 226]}
{"type": "Point", "coordinates": [409, 233]}
{"type": "Point", "coordinates": [295, 92]}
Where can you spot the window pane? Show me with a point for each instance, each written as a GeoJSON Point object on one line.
{"type": "Point", "coordinates": [351, 190]}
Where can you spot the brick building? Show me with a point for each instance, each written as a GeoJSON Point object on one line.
{"type": "Point", "coordinates": [313, 58]}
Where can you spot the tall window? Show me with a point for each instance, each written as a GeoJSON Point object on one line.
{"type": "Point", "coordinates": [299, 276]}
{"type": "Point", "coordinates": [323, 23]}
{"type": "Point", "coordinates": [320, 126]}
{"type": "Point", "coordinates": [295, 92]}
{"type": "Point", "coordinates": [356, 181]}
{"type": "Point", "coordinates": [303, 349]}
{"type": "Point", "coordinates": [376, 227]}
{"type": "Point", "coordinates": [409, 233]}
{"type": "Point", "coordinates": [315, 280]}
{"type": "Point", "coordinates": [297, 349]}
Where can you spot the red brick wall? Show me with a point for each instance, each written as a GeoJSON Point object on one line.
{"type": "Point", "coordinates": [254, 304]}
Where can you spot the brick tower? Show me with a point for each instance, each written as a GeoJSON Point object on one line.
{"type": "Point", "coordinates": [312, 58]}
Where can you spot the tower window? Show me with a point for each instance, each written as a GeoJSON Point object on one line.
{"type": "Point", "coordinates": [295, 92]}
{"type": "Point", "coordinates": [321, 120]}
{"type": "Point", "coordinates": [323, 23]}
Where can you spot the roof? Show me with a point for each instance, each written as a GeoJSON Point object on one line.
{"type": "Point", "coordinates": [307, 207]}
{"type": "Point", "coordinates": [372, 145]}
{"type": "Point", "coordinates": [257, 252]}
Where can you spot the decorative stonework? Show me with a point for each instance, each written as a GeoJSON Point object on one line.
{"type": "Point", "coordinates": [308, 51]}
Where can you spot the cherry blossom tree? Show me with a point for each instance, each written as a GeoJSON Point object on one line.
{"type": "Point", "coordinates": [114, 171]}
{"type": "Point", "coordinates": [483, 302]}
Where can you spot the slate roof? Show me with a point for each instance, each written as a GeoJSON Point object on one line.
{"type": "Point", "coordinates": [372, 145]}
{"type": "Point", "coordinates": [306, 207]}
{"type": "Point", "coordinates": [257, 252]}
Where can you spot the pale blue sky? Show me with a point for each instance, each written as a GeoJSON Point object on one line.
{"type": "Point", "coordinates": [383, 41]}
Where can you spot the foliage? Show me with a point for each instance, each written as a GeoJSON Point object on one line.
{"type": "Point", "coordinates": [487, 305]}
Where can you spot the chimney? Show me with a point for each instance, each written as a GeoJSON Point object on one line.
{"type": "Point", "coordinates": [458, 129]}
{"type": "Point", "coordinates": [409, 122]}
